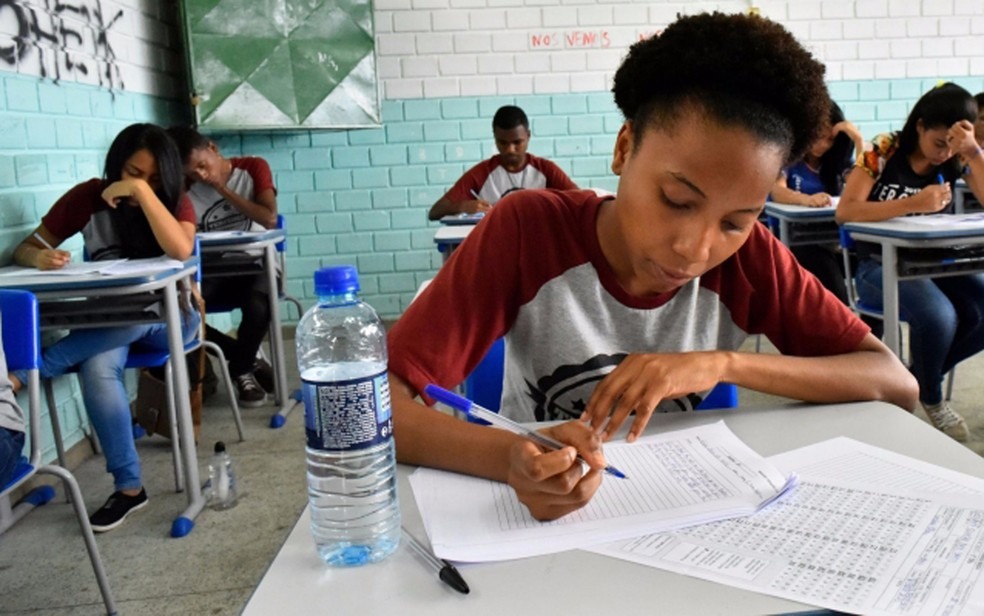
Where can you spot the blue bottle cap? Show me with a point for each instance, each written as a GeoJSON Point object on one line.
{"type": "Point", "coordinates": [336, 280]}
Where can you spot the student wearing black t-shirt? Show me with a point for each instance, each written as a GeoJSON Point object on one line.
{"type": "Point", "coordinates": [911, 173]}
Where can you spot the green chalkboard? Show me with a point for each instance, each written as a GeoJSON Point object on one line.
{"type": "Point", "coordinates": [281, 64]}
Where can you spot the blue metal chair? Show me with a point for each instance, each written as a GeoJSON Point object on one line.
{"type": "Point", "coordinates": [22, 347]}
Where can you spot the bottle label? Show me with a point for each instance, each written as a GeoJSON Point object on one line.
{"type": "Point", "coordinates": [350, 414]}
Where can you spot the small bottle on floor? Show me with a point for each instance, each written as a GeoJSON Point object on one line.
{"type": "Point", "coordinates": [221, 488]}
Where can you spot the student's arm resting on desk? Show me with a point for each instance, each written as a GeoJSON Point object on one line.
{"type": "Point", "coordinates": [783, 194]}
{"type": "Point", "coordinates": [550, 484]}
{"type": "Point", "coordinates": [854, 205]}
{"type": "Point", "coordinates": [641, 381]}
{"type": "Point", "coordinates": [263, 210]}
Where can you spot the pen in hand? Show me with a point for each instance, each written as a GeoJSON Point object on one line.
{"type": "Point", "coordinates": [38, 237]}
{"type": "Point", "coordinates": [467, 406]}
{"type": "Point", "coordinates": [445, 570]}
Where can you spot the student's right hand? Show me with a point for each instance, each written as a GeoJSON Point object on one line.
{"type": "Point", "coordinates": [552, 484]}
{"type": "Point", "coordinates": [475, 205]}
{"type": "Point", "coordinates": [47, 259]}
{"type": "Point", "coordinates": [818, 200]}
{"type": "Point", "coordinates": [932, 198]}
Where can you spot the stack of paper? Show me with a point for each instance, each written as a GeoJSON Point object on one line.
{"type": "Point", "coordinates": [674, 480]}
{"type": "Point", "coordinates": [867, 531]}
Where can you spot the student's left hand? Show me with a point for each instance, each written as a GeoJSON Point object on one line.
{"type": "Point", "coordinates": [124, 191]}
{"type": "Point", "coordinates": [960, 138]}
{"type": "Point", "coordinates": [644, 380]}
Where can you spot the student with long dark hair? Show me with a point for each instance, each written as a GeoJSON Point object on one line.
{"type": "Point", "coordinates": [814, 181]}
{"type": "Point", "coordinates": [137, 209]}
{"type": "Point", "coordinates": [912, 172]}
{"type": "Point", "coordinates": [638, 302]}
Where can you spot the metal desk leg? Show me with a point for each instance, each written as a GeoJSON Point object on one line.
{"type": "Point", "coordinates": [196, 502]}
{"type": "Point", "coordinates": [785, 234]}
{"type": "Point", "coordinates": [890, 297]}
{"type": "Point", "coordinates": [283, 401]}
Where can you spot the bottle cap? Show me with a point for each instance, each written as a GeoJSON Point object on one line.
{"type": "Point", "coordinates": [336, 280]}
{"type": "Point", "coordinates": [219, 447]}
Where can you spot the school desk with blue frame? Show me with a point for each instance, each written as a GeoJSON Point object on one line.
{"type": "Point", "coordinates": [100, 300]}
{"type": "Point", "coordinates": [576, 581]}
{"type": "Point", "coordinates": [921, 247]}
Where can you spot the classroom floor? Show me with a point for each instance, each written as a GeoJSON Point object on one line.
{"type": "Point", "coordinates": [43, 565]}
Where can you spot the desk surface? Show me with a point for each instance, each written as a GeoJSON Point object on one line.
{"type": "Point", "coordinates": [42, 283]}
{"type": "Point", "coordinates": [224, 239]}
{"type": "Point", "coordinates": [452, 234]}
{"type": "Point", "coordinates": [462, 219]}
{"type": "Point", "coordinates": [798, 212]}
{"type": "Point", "coordinates": [578, 582]}
{"type": "Point", "coordinates": [910, 228]}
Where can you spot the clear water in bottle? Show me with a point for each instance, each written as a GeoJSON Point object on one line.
{"type": "Point", "coordinates": [351, 465]}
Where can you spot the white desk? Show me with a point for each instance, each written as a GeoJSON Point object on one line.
{"type": "Point", "coordinates": [462, 219]}
{"type": "Point", "coordinates": [964, 234]}
{"type": "Point", "coordinates": [96, 300]}
{"type": "Point", "coordinates": [449, 237]}
{"type": "Point", "coordinates": [799, 225]}
{"type": "Point", "coordinates": [259, 253]}
{"type": "Point", "coordinates": [579, 582]}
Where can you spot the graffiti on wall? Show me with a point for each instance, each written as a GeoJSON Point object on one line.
{"type": "Point", "coordinates": [58, 40]}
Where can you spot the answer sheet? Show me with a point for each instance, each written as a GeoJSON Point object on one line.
{"type": "Point", "coordinates": [675, 479]}
{"type": "Point", "coordinates": [859, 534]}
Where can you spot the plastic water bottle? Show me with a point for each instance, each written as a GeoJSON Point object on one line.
{"type": "Point", "coordinates": [351, 465]}
{"type": "Point", "coordinates": [222, 489]}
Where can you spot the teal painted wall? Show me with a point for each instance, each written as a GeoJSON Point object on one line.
{"type": "Point", "coordinates": [53, 136]}
{"type": "Point", "coordinates": [362, 196]}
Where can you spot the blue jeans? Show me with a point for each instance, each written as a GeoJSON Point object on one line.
{"type": "Point", "coordinates": [945, 317]}
{"type": "Point", "coordinates": [11, 446]}
{"type": "Point", "coordinates": [100, 355]}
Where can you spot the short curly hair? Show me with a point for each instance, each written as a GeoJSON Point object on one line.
{"type": "Point", "coordinates": [741, 70]}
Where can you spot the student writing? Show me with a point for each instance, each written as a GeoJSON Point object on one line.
{"type": "Point", "coordinates": [513, 168]}
{"type": "Point", "coordinates": [637, 302]}
{"type": "Point", "coordinates": [900, 176]}
{"type": "Point", "coordinates": [137, 209]}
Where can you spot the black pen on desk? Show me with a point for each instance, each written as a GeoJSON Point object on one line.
{"type": "Point", "coordinates": [445, 570]}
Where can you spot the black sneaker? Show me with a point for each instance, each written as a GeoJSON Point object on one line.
{"type": "Point", "coordinates": [263, 372]}
{"type": "Point", "coordinates": [248, 391]}
{"type": "Point", "coordinates": [112, 514]}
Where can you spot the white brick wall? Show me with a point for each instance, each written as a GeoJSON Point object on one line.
{"type": "Point", "coordinates": [144, 40]}
{"type": "Point", "coordinates": [516, 47]}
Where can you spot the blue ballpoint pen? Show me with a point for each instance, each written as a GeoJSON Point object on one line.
{"type": "Point", "coordinates": [465, 405]}
{"type": "Point", "coordinates": [939, 178]}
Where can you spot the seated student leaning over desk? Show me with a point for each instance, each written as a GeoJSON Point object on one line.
{"type": "Point", "coordinates": [138, 209]}
{"type": "Point", "coordinates": [813, 182]}
{"type": "Point", "coordinates": [610, 305]}
{"type": "Point", "coordinates": [234, 194]}
{"type": "Point", "coordinates": [509, 170]}
{"type": "Point", "coordinates": [911, 172]}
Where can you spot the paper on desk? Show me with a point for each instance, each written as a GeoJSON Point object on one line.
{"type": "Point", "coordinates": [858, 535]}
{"type": "Point", "coordinates": [675, 479]}
{"type": "Point", "coordinates": [70, 269]}
{"type": "Point", "coordinates": [222, 235]}
{"type": "Point", "coordinates": [945, 220]}
{"type": "Point", "coordinates": [138, 267]}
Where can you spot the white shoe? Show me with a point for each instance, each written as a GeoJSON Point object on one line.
{"type": "Point", "coordinates": [948, 421]}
